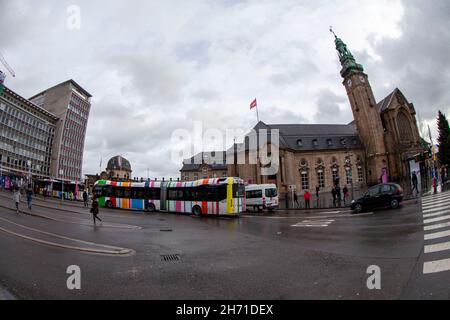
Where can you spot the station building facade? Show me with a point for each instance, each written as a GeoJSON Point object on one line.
{"type": "Point", "coordinates": [378, 146]}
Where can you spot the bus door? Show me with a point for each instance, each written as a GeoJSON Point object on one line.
{"type": "Point", "coordinates": [163, 203]}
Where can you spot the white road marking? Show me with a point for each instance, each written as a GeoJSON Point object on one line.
{"type": "Point", "coordinates": [447, 217]}
{"type": "Point", "coordinates": [313, 223]}
{"type": "Point", "coordinates": [436, 226]}
{"type": "Point", "coordinates": [444, 204]}
{"type": "Point", "coordinates": [435, 209]}
{"type": "Point", "coordinates": [428, 215]}
{"type": "Point", "coordinates": [107, 249]}
{"type": "Point", "coordinates": [437, 247]}
{"type": "Point", "coordinates": [433, 200]}
{"type": "Point", "coordinates": [436, 266]}
{"type": "Point", "coordinates": [437, 235]}
{"type": "Point", "coordinates": [310, 225]}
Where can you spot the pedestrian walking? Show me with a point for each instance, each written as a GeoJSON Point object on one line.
{"type": "Point", "coordinates": [29, 193]}
{"type": "Point", "coordinates": [318, 196]}
{"type": "Point", "coordinates": [307, 197]}
{"type": "Point", "coordinates": [16, 198]}
{"type": "Point", "coordinates": [346, 195]}
{"type": "Point", "coordinates": [415, 184]}
{"type": "Point", "coordinates": [296, 200]}
{"type": "Point", "coordinates": [338, 196]}
{"type": "Point", "coordinates": [94, 210]}
{"type": "Point", "coordinates": [333, 195]}
{"type": "Point", "coordinates": [85, 198]}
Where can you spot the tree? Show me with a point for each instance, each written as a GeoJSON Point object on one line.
{"type": "Point", "coordinates": [444, 139]}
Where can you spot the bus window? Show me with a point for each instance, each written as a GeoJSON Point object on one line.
{"type": "Point", "coordinates": [238, 190]}
{"type": "Point", "coordinates": [222, 192]}
{"type": "Point", "coordinates": [270, 193]}
{"type": "Point", "coordinates": [254, 194]}
{"type": "Point", "coordinates": [127, 193]}
{"type": "Point", "coordinates": [175, 194]}
{"type": "Point", "coordinates": [137, 193]}
{"type": "Point", "coordinates": [98, 191]}
{"type": "Point", "coordinates": [117, 192]}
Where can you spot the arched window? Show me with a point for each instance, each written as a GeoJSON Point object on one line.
{"type": "Point", "coordinates": [404, 127]}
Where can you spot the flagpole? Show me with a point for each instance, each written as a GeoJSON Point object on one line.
{"type": "Point", "coordinates": [257, 114]}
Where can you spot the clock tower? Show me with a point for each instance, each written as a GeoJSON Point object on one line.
{"type": "Point", "coordinates": [365, 112]}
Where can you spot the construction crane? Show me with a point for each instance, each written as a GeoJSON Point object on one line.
{"type": "Point", "coordinates": [2, 75]}
{"type": "Point", "coordinates": [7, 66]}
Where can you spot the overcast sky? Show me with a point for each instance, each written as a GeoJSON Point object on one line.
{"type": "Point", "coordinates": [155, 66]}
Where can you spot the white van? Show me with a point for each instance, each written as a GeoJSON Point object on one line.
{"type": "Point", "coordinates": [261, 196]}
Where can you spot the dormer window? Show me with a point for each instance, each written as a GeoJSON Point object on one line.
{"type": "Point", "coordinates": [329, 142]}
{"type": "Point", "coordinates": [315, 143]}
{"type": "Point", "coordinates": [343, 141]}
{"type": "Point", "coordinates": [300, 143]}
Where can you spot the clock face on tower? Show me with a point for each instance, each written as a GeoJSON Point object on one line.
{"type": "Point", "coordinates": [349, 83]}
{"type": "Point", "coordinates": [361, 78]}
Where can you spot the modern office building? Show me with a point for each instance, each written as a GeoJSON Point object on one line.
{"type": "Point", "coordinates": [71, 104]}
{"type": "Point", "coordinates": [27, 135]}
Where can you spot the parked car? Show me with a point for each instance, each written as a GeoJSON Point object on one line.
{"type": "Point", "coordinates": [379, 196]}
{"type": "Point", "coordinates": [261, 196]}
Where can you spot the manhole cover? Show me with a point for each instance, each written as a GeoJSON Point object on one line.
{"type": "Point", "coordinates": [170, 257]}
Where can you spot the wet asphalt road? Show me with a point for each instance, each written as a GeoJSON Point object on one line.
{"type": "Point", "coordinates": [289, 255]}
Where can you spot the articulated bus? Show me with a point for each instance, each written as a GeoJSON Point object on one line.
{"type": "Point", "coordinates": [218, 196]}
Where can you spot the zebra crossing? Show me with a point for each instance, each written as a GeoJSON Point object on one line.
{"type": "Point", "coordinates": [436, 220]}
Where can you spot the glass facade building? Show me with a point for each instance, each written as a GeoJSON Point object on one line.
{"type": "Point", "coordinates": [27, 136]}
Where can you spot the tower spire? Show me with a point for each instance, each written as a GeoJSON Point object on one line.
{"type": "Point", "coordinates": [346, 58]}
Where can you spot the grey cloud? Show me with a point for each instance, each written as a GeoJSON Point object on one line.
{"type": "Point", "coordinates": [418, 61]}
{"type": "Point", "coordinates": [328, 109]}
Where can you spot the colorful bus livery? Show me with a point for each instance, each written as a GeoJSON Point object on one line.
{"type": "Point", "coordinates": [219, 196]}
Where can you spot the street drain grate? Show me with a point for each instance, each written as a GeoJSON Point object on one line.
{"type": "Point", "coordinates": [165, 230]}
{"type": "Point", "coordinates": [170, 257]}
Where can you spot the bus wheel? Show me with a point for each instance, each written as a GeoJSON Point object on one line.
{"type": "Point", "coordinates": [150, 207]}
{"type": "Point", "coordinates": [109, 204]}
{"type": "Point", "coordinates": [197, 211]}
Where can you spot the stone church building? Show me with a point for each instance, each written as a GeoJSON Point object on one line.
{"type": "Point", "coordinates": [376, 146]}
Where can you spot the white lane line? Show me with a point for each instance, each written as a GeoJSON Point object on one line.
{"type": "Point", "coordinates": [437, 235]}
{"type": "Point", "coordinates": [428, 215]}
{"type": "Point", "coordinates": [310, 225]}
{"type": "Point", "coordinates": [436, 266]}
{"type": "Point", "coordinates": [436, 226]}
{"type": "Point", "coordinates": [444, 205]}
{"type": "Point", "coordinates": [447, 217]}
{"type": "Point", "coordinates": [437, 247]}
{"type": "Point", "coordinates": [108, 249]}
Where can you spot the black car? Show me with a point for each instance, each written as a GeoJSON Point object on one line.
{"type": "Point", "coordinates": [379, 196]}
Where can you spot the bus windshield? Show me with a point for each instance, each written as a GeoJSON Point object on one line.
{"type": "Point", "coordinates": [238, 190]}
{"type": "Point", "coordinates": [270, 193]}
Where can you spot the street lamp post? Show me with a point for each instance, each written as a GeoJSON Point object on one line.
{"type": "Point", "coordinates": [61, 172]}
{"type": "Point", "coordinates": [29, 172]}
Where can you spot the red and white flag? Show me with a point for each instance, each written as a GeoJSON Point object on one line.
{"type": "Point", "coordinates": [253, 104]}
